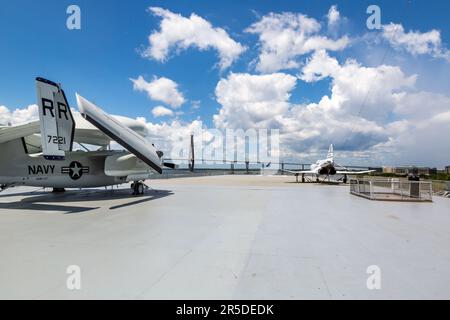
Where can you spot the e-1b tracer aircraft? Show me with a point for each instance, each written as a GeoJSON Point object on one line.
{"type": "Point", "coordinates": [41, 153]}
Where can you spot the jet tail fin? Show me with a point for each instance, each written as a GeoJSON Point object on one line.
{"type": "Point", "coordinates": [56, 120]}
{"type": "Point", "coordinates": [330, 154]}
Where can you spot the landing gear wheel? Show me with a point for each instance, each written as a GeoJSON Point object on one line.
{"type": "Point", "coordinates": [138, 188]}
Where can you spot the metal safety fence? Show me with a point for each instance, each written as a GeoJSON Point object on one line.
{"type": "Point", "coordinates": [392, 189]}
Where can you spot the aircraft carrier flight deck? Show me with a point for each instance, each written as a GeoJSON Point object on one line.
{"type": "Point", "coordinates": [221, 237]}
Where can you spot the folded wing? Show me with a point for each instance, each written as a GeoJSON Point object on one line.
{"type": "Point", "coordinates": [120, 133]}
{"type": "Point", "coordinates": [17, 132]}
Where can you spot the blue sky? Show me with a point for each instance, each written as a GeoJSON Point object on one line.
{"type": "Point", "coordinates": [98, 60]}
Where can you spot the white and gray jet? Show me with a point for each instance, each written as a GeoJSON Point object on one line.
{"type": "Point", "coordinates": [327, 167]}
{"type": "Point", "coordinates": [41, 153]}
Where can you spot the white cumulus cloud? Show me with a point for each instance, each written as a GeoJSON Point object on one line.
{"type": "Point", "coordinates": [173, 137]}
{"type": "Point", "coordinates": [372, 113]}
{"type": "Point", "coordinates": [161, 111]}
{"type": "Point", "coordinates": [286, 36]}
{"type": "Point", "coordinates": [415, 42]}
{"type": "Point", "coordinates": [180, 33]}
{"type": "Point", "coordinates": [252, 100]}
{"type": "Point", "coordinates": [160, 89]}
{"type": "Point", "coordinates": [356, 89]}
{"type": "Point", "coordinates": [333, 16]}
{"type": "Point", "coordinates": [18, 116]}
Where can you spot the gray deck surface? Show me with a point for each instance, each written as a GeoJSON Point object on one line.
{"type": "Point", "coordinates": [222, 237]}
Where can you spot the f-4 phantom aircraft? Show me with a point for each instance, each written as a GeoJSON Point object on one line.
{"type": "Point", "coordinates": [327, 167]}
{"type": "Point", "coordinates": [41, 153]}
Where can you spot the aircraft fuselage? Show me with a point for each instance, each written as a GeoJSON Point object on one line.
{"type": "Point", "coordinates": [324, 167]}
{"type": "Point", "coordinates": [78, 169]}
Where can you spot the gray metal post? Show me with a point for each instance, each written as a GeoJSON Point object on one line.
{"type": "Point", "coordinates": [191, 155]}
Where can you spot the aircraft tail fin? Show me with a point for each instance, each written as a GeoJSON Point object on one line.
{"type": "Point", "coordinates": [330, 154]}
{"type": "Point", "coordinates": [56, 120]}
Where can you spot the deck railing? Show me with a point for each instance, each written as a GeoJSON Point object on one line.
{"type": "Point", "coordinates": [392, 189]}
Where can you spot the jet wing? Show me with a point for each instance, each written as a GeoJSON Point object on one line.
{"type": "Point", "coordinates": [300, 171]}
{"type": "Point", "coordinates": [354, 172]}
{"type": "Point", "coordinates": [17, 132]}
{"type": "Point", "coordinates": [126, 137]}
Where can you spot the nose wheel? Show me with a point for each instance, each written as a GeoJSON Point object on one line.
{"type": "Point", "coordinates": [138, 188]}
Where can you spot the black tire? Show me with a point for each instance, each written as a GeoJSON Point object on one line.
{"type": "Point", "coordinates": [134, 187]}
{"type": "Point", "coordinates": [140, 188]}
